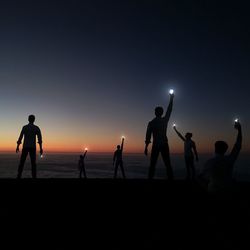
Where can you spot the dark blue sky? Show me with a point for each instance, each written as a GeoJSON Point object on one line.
{"type": "Point", "coordinates": [98, 68]}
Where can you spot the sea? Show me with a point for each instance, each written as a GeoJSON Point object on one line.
{"type": "Point", "coordinates": [99, 165]}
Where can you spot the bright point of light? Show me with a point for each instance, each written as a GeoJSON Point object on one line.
{"type": "Point", "coordinates": [174, 125]}
{"type": "Point", "coordinates": [123, 137]}
{"type": "Point", "coordinates": [41, 156]}
{"type": "Point", "coordinates": [236, 120]}
{"type": "Point", "coordinates": [171, 91]}
{"type": "Point", "coordinates": [86, 149]}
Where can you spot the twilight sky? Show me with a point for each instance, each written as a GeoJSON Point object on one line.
{"type": "Point", "coordinates": [92, 71]}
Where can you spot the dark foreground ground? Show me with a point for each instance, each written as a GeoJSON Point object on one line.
{"type": "Point", "coordinates": [108, 214]}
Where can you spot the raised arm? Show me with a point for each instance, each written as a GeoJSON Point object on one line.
{"type": "Point", "coordinates": [148, 138]}
{"type": "Point", "coordinates": [122, 144]}
{"type": "Point", "coordinates": [85, 154]}
{"type": "Point", "coordinates": [170, 107]}
{"type": "Point", "coordinates": [19, 141]}
{"type": "Point", "coordinates": [238, 144]}
{"type": "Point", "coordinates": [179, 134]}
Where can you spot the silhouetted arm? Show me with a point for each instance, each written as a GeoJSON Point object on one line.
{"type": "Point", "coordinates": [85, 154]}
{"type": "Point", "coordinates": [19, 141]}
{"type": "Point", "coordinates": [148, 138]}
{"type": "Point", "coordinates": [238, 144]}
{"type": "Point", "coordinates": [39, 136]}
{"type": "Point", "coordinates": [179, 134]}
{"type": "Point", "coordinates": [170, 108]}
{"type": "Point", "coordinates": [122, 144]}
{"type": "Point", "coordinates": [114, 158]}
{"type": "Point", "coordinates": [195, 151]}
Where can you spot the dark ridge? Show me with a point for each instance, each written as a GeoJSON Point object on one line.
{"type": "Point", "coordinates": [122, 214]}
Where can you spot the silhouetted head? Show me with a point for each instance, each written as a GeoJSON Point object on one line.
{"type": "Point", "coordinates": [220, 147]}
{"type": "Point", "coordinates": [118, 146]}
{"type": "Point", "coordinates": [188, 135]}
{"type": "Point", "coordinates": [31, 118]}
{"type": "Point", "coordinates": [158, 111]}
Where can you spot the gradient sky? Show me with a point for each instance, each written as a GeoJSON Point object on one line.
{"type": "Point", "coordinates": [93, 70]}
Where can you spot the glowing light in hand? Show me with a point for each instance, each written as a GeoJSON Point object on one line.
{"type": "Point", "coordinates": [86, 149]}
{"type": "Point", "coordinates": [174, 125]}
{"type": "Point", "coordinates": [171, 91]}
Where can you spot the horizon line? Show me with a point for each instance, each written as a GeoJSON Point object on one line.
{"type": "Point", "coordinates": [103, 152]}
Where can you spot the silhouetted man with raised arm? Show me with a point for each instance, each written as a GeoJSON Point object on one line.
{"type": "Point", "coordinates": [189, 151]}
{"type": "Point", "coordinates": [29, 132]}
{"type": "Point", "coordinates": [218, 171]}
{"type": "Point", "coordinates": [117, 159]}
{"type": "Point", "coordinates": [158, 127]}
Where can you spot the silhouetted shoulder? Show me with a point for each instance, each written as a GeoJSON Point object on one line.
{"type": "Point", "coordinates": [37, 127]}
{"type": "Point", "coordinates": [155, 120]}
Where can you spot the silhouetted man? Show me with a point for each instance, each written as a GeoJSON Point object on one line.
{"type": "Point", "coordinates": [218, 171]}
{"type": "Point", "coordinates": [158, 127]}
{"type": "Point", "coordinates": [189, 151]}
{"type": "Point", "coordinates": [29, 132]}
{"type": "Point", "coordinates": [81, 165]}
{"type": "Point", "coordinates": [117, 159]}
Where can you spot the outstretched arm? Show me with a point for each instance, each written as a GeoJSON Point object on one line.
{"type": "Point", "coordinates": [19, 140]}
{"type": "Point", "coordinates": [238, 144]}
{"type": "Point", "coordinates": [85, 153]}
{"type": "Point", "coordinates": [179, 134]}
{"type": "Point", "coordinates": [170, 108]}
{"type": "Point", "coordinates": [148, 138]}
{"type": "Point", "coordinates": [122, 144]}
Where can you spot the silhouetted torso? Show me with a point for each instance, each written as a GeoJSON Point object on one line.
{"type": "Point", "coordinates": [30, 132]}
{"type": "Point", "coordinates": [81, 163]}
{"type": "Point", "coordinates": [188, 146]}
{"type": "Point", "coordinates": [118, 155]}
{"type": "Point", "coordinates": [158, 127]}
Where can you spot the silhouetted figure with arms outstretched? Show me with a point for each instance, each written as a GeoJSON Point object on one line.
{"type": "Point", "coordinates": [117, 159]}
{"type": "Point", "coordinates": [189, 151]}
{"type": "Point", "coordinates": [29, 132]}
{"type": "Point", "coordinates": [158, 127]}
{"type": "Point", "coordinates": [81, 165]}
{"type": "Point", "coordinates": [218, 171]}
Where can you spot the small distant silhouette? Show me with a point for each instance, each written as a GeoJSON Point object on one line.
{"type": "Point", "coordinates": [218, 171]}
{"type": "Point", "coordinates": [189, 148]}
{"type": "Point", "coordinates": [158, 127]}
{"type": "Point", "coordinates": [29, 132]}
{"type": "Point", "coordinates": [117, 159]}
{"type": "Point", "coordinates": [81, 165]}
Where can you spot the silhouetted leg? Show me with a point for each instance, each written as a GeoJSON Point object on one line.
{"type": "Point", "coordinates": [154, 156]}
{"type": "Point", "coordinates": [80, 174]}
{"type": "Point", "coordinates": [166, 160]}
{"type": "Point", "coordinates": [122, 169]}
{"type": "Point", "coordinates": [21, 164]}
{"type": "Point", "coordinates": [187, 162]}
{"type": "Point", "coordinates": [116, 169]}
{"type": "Point", "coordinates": [192, 167]}
{"type": "Point", "coordinates": [84, 172]}
{"type": "Point", "coordinates": [32, 153]}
